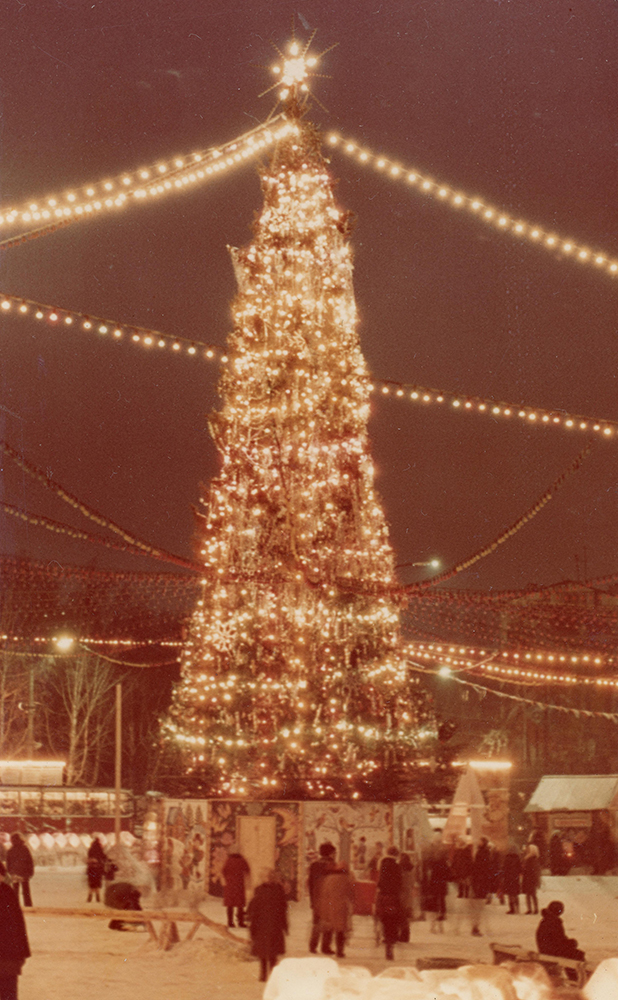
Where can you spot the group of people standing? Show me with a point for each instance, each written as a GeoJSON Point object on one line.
{"type": "Point", "coordinates": [479, 873]}
{"type": "Point", "coordinates": [331, 893]}
{"type": "Point", "coordinates": [331, 898]}
{"type": "Point", "coordinates": [486, 872]}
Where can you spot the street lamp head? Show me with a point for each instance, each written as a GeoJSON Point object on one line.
{"type": "Point", "coordinates": [64, 643]}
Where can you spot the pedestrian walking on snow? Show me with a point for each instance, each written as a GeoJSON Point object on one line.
{"type": "Point", "coordinates": [334, 907]}
{"type": "Point", "coordinates": [481, 884]}
{"type": "Point", "coordinates": [20, 867]}
{"type": "Point", "coordinates": [268, 920]}
{"type": "Point", "coordinates": [406, 895]}
{"type": "Point", "coordinates": [317, 871]}
{"type": "Point", "coordinates": [235, 871]}
{"type": "Point", "coordinates": [388, 908]}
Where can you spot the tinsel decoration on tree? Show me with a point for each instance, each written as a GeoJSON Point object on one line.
{"type": "Point", "coordinates": [293, 681]}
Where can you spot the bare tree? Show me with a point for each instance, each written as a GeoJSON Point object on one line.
{"type": "Point", "coordinates": [80, 718]}
{"type": "Point", "coordinates": [14, 680]}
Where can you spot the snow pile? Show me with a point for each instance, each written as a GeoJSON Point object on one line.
{"type": "Point", "coordinates": [603, 983]}
{"type": "Point", "coordinates": [322, 979]}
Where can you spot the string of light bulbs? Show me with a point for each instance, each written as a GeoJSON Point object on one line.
{"type": "Point", "coordinates": [534, 416]}
{"type": "Point", "coordinates": [164, 177]}
{"type": "Point", "coordinates": [58, 528]}
{"type": "Point", "coordinates": [508, 533]}
{"type": "Point", "coordinates": [60, 317]}
{"type": "Point", "coordinates": [478, 207]}
{"type": "Point", "coordinates": [93, 652]}
{"type": "Point", "coordinates": [482, 691]}
{"type": "Point", "coordinates": [85, 640]}
{"type": "Point", "coordinates": [59, 491]}
{"type": "Point", "coordinates": [145, 548]}
{"type": "Point", "coordinates": [518, 667]}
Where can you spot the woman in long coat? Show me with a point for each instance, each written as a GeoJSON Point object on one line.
{"type": "Point", "coordinates": [268, 920]}
{"type": "Point", "coordinates": [531, 878]}
{"type": "Point", "coordinates": [95, 869]}
{"type": "Point", "coordinates": [388, 907]}
{"type": "Point", "coordinates": [334, 908]}
{"type": "Point", "coordinates": [436, 879]}
{"type": "Point", "coordinates": [235, 871]}
{"type": "Point", "coordinates": [481, 884]}
{"type": "Point", "coordinates": [511, 872]}
{"type": "Point", "coordinates": [407, 895]}
{"type": "Point", "coordinates": [14, 949]}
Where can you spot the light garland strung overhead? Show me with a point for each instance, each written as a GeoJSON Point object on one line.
{"type": "Point", "coordinates": [482, 210]}
{"type": "Point", "coordinates": [131, 542]}
{"type": "Point", "coordinates": [162, 178]}
{"type": "Point", "coordinates": [517, 666]}
{"type": "Point", "coordinates": [505, 535]}
{"type": "Point", "coordinates": [138, 549]}
{"type": "Point", "coordinates": [545, 706]}
{"type": "Point", "coordinates": [534, 416]}
{"type": "Point", "coordinates": [84, 640]}
{"type": "Point", "coordinates": [60, 317]}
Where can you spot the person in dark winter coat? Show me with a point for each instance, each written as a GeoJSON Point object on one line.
{"type": "Point", "coordinates": [121, 896]}
{"type": "Point", "coordinates": [559, 864]}
{"type": "Point", "coordinates": [95, 869]}
{"type": "Point", "coordinates": [531, 877]}
{"type": "Point", "coordinates": [550, 934]}
{"type": "Point", "coordinates": [481, 883]}
{"type": "Point", "coordinates": [461, 868]}
{"type": "Point", "coordinates": [268, 921]}
{"type": "Point", "coordinates": [20, 867]}
{"type": "Point", "coordinates": [388, 908]}
{"type": "Point", "coordinates": [406, 895]}
{"type": "Point", "coordinates": [14, 948]}
{"type": "Point", "coordinates": [511, 873]}
{"type": "Point", "coordinates": [435, 884]}
{"type": "Point", "coordinates": [317, 871]}
{"type": "Point", "coordinates": [235, 871]}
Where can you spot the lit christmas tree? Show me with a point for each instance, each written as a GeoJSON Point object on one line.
{"type": "Point", "coordinates": [293, 681]}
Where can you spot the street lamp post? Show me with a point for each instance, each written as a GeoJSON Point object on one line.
{"type": "Point", "coordinates": [118, 762]}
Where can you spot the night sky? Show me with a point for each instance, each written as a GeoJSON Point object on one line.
{"type": "Point", "coordinates": [511, 101]}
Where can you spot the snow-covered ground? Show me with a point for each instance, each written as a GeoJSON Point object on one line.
{"type": "Point", "coordinates": [80, 959]}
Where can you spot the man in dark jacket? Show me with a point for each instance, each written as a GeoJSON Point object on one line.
{"type": "Point", "coordinates": [14, 949]}
{"type": "Point", "coordinates": [20, 867]}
